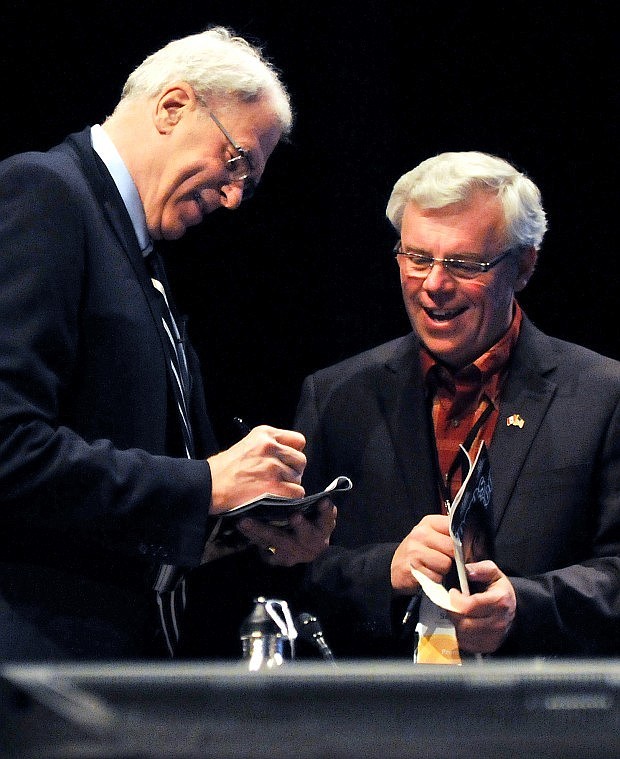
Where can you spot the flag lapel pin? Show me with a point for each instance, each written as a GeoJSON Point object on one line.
{"type": "Point", "coordinates": [515, 420]}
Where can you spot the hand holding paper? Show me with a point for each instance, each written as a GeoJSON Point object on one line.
{"type": "Point", "coordinates": [428, 547]}
{"type": "Point", "coordinates": [484, 619]}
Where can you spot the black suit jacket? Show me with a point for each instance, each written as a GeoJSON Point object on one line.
{"type": "Point", "coordinates": [94, 491]}
{"type": "Point", "coordinates": [556, 492]}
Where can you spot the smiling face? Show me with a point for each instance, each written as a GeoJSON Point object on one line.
{"type": "Point", "coordinates": [188, 176]}
{"type": "Point", "coordinates": [459, 320]}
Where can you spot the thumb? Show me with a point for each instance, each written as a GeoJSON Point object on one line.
{"type": "Point", "coordinates": [484, 572]}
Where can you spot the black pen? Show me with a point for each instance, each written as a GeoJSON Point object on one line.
{"type": "Point", "coordinates": [241, 425]}
{"type": "Point", "coordinates": [411, 607]}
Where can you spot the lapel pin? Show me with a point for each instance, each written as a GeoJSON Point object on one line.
{"type": "Point", "coordinates": [515, 420]}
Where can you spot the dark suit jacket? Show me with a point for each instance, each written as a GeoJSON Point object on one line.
{"type": "Point", "coordinates": [94, 491]}
{"type": "Point", "coordinates": [556, 492]}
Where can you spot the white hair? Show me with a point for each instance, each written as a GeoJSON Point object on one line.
{"type": "Point", "coordinates": [453, 177]}
{"type": "Point", "coordinates": [216, 64]}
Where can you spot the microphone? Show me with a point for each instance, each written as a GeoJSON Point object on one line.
{"type": "Point", "coordinates": [309, 629]}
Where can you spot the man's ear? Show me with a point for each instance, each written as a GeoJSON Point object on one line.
{"type": "Point", "coordinates": [527, 264]}
{"type": "Point", "coordinates": [170, 105]}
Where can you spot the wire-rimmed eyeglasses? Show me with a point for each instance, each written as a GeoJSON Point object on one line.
{"type": "Point", "coordinates": [239, 166]}
{"type": "Point", "coordinates": [420, 265]}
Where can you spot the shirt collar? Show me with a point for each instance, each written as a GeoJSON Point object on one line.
{"type": "Point", "coordinates": [106, 150]}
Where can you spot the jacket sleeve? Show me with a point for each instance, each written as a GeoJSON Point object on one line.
{"type": "Point", "coordinates": [52, 476]}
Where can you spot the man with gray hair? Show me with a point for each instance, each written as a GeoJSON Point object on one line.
{"type": "Point", "coordinates": [110, 475]}
{"type": "Point", "coordinates": [473, 369]}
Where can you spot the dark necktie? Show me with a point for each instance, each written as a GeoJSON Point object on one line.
{"type": "Point", "coordinates": [170, 598]}
{"type": "Point", "coordinates": [181, 384]}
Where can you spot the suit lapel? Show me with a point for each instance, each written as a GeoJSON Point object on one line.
{"type": "Point", "coordinates": [106, 192]}
{"type": "Point", "coordinates": [111, 202]}
{"type": "Point", "coordinates": [403, 400]}
{"type": "Point", "coordinates": [120, 221]}
{"type": "Point", "coordinates": [528, 392]}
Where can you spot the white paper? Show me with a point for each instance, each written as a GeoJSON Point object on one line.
{"type": "Point", "coordinates": [434, 590]}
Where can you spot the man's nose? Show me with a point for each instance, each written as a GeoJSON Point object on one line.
{"type": "Point", "coordinates": [231, 195]}
{"type": "Point", "coordinates": [438, 277]}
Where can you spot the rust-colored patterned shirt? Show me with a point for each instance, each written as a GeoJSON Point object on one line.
{"type": "Point", "coordinates": [460, 399]}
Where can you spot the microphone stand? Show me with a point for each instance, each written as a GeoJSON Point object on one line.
{"type": "Point", "coordinates": [309, 629]}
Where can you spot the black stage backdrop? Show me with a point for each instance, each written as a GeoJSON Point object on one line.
{"type": "Point", "coordinates": [302, 276]}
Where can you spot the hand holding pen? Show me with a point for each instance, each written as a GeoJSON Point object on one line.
{"type": "Point", "coordinates": [302, 540]}
{"type": "Point", "coordinates": [243, 428]}
{"type": "Point", "coordinates": [265, 460]}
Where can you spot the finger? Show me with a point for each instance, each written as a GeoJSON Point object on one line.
{"type": "Point", "coordinates": [290, 472]}
{"type": "Point", "coordinates": [436, 522]}
{"type": "Point", "coordinates": [268, 541]}
{"type": "Point", "coordinates": [291, 457]}
{"type": "Point", "coordinates": [316, 530]}
{"type": "Point", "coordinates": [324, 519]}
{"type": "Point", "coordinates": [327, 516]}
{"type": "Point", "coordinates": [293, 546]}
{"type": "Point", "coordinates": [287, 487]}
{"type": "Point", "coordinates": [470, 606]}
{"type": "Point", "coordinates": [279, 479]}
{"type": "Point", "coordinates": [435, 567]}
{"type": "Point", "coordinates": [259, 533]}
{"type": "Point", "coordinates": [289, 438]}
{"type": "Point", "coordinates": [483, 635]}
{"type": "Point", "coordinates": [495, 605]}
{"type": "Point", "coordinates": [282, 446]}
{"type": "Point", "coordinates": [484, 572]}
{"type": "Point", "coordinates": [429, 535]}
{"type": "Point", "coordinates": [435, 555]}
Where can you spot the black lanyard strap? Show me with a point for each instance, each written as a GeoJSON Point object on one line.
{"type": "Point", "coordinates": [461, 459]}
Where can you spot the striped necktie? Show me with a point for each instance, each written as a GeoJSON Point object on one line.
{"type": "Point", "coordinates": [181, 384]}
{"type": "Point", "coordinates": [169, 583]}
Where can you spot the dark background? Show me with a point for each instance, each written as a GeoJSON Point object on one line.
{"type": "Point", "coordinates": [302, 276]}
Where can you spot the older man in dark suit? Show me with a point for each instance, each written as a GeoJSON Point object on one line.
{"type": "Point", "coordinates": [474, 368]}
{"type": "Point", "coordinates": [110, 474]}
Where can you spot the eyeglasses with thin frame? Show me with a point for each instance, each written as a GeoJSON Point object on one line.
{"type": "Point", "coordinates": [420, 265]}
{"type": "Point", "coordinates": [239, 166]}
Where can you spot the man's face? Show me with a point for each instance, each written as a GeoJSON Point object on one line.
{"type": "Point", "coordinates": [192, 178]}
{"type": "Point", "coordinates": [459, 320]}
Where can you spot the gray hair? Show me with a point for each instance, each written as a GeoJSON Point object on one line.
{"type": "Point", "coordinates": [216, 64]}
{"type": "Point", "coordinates": [453, 177]}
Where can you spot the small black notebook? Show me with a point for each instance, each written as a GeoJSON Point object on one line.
{"type": "Point", "coordinates": [273, 509]}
